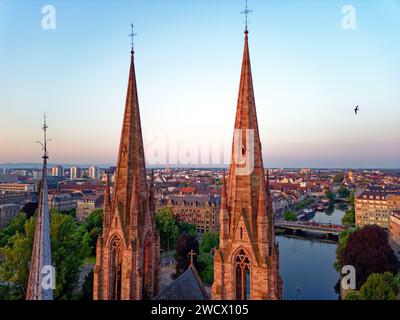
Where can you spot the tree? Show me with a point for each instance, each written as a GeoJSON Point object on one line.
{"type": "Point", "coordinates": [17, 254]}
{"type": "Point", "coordinates": [30, 208]}
{"type": "Point", "coordinates": [351, 199]}
{"type": "Point", "coordinates": [343, 192]}
{"type": "Point", "coordinates": [290, 216]}
{"type": "Point", "coordinates": [338, 178]}
{"type": "Point", "coordinates": [188, 228]}
{"type": "Point", "coordinates": [16, 225]}
{"type": "Point", "coordinates": [87, 290]}
{"type": "Point", "coordinates": [330, 195]}
{"type": "Point", "coordinates": [93, 225]}
{"type": "Point", "coordinates": [303, 204]}
{"type": "Point", "coordinates": [352, 296]}
{"type": "Point", "coordinates": [209, 241]}
{"type": "Point", "coordinates": [343, 238]}
{"type": "Point", "coordinates": [166, 225]}
{"type": "Point", "coordinates": [206, 262]}
{"type": "Point", "coordinates": [367, 249]}
{"type": "Point", "coordinates": [380, 287]}
{"type": "Point", "coordinates": [185, 244]}
{"type": "Point", "coordinates": [349, 218]}
{"type": "Point", "coordinates": [71, 212]}
{"type": "Point", "coordinates": [69, 246]}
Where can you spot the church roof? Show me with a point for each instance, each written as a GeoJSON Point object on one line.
{"type": "Point", "coordinates": [188, 286]}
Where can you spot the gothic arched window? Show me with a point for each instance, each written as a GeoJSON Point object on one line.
{"type": "Point", "coordinates": [116, 268]}
{"type": "Point", "coordinates": [242, 268]}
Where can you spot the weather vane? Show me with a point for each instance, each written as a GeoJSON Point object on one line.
{"type": "Point", "coordinates": [132, 34]}
{"type": "Point", "coordinates": [246, 14]}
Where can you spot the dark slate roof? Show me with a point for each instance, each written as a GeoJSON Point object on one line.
{"type": "Point", "coordinates": [188, 286]}
{"type": "Point", "coordinates": [199, 200]}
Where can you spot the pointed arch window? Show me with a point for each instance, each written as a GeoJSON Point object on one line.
{"type": "Point", "coordinates": [242, 269]}
{"type": "Point", "coordinates": [116, 268]}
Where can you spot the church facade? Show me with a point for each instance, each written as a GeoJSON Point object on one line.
{"type": "Point", "coordinates": [246, 265]}
{"type": "Point", "coordinates": [127, 258]}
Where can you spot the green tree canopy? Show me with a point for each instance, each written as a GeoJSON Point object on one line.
{"type": "Point", "coordinates": [349, 218]}
{"type": "Point", "coordinates": [290, 216]}
{"type": "Point", "coordinates": [343, 192]}
{"type": "Point", "coordinates": [330, 195]}
{"type": "Point", "coordinates": [352, 296]}
{"type": "Point", "coordinates": [380, 287]}
{"type": "Point", "coordinates": [168, 228]}
{"type": "Point", "coordinates": [16, 225]}
{"type": "Point", "coordinates": [69, 247]}
{"type": "Point", "coordinates": [351, 199]}
{"type": "Point", "coordinates": [303, 204]}
{"type": "Point", "coordinates": [93, 225]}
{"type": "Point", "coordinates": [188, 228]}
{"type": "Point", "coordinates": [338, 178]}
{"type": "Point", "coordinates": [206, 261]}
{"type": "Point", "coordinates": [209, 241]}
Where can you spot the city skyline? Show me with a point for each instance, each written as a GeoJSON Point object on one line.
{"type": "Point", "coordinates": [312, 126]}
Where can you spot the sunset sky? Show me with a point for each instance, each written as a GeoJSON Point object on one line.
{"type": "Point", "coordinates": [309, 73]}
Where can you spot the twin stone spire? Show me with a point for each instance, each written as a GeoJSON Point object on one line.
{"type": "Point", "coordinates": [246, 265]}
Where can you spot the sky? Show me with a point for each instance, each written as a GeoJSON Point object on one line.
{"type": "Point", "coordinates": [309, 70]}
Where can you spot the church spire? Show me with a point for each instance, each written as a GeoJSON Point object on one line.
{"type": "Point", "coordinates": [246, 247]}
{"type": "Point", "coordinates": [130, 181]}
{"type": "Point", "coordinates": [127, 256]}
{"type": "Point", "coordinates": [40, 267]}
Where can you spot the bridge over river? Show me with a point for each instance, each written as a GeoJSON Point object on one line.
{"type": "Point", "coordinates": [325, 228]}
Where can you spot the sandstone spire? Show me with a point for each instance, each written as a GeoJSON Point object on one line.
{"type": "Point", "coordinates": [127, 263]}
{"type": "Point", "coordinates": [245, 266]}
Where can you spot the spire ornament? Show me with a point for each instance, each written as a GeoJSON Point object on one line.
{"type": "Point", "coordinates": [246, 13]}
{"type": "Point", "coordinates": [131, 35]}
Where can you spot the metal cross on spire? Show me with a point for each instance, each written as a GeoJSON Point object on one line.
{"type": "Point", "coordinates": [246, 14]}
{"type": "Point", "coordinates": [45, 140]}
{"type": "Point", "coordinates": [132, 34]}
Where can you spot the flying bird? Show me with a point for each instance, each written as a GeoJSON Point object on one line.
{"type": "Point", "coordinates": [356, 110]}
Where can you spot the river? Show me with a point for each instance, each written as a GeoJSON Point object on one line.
{"type": "Point", "coordinates": [306, 265]}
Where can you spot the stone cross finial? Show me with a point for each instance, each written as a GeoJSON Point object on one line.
{"type": "Point", "coordinates": [191, 254]}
